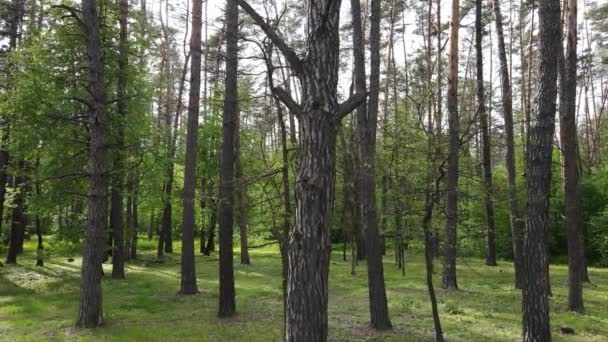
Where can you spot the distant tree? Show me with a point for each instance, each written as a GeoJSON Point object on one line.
{"type": "Point", "coordinates": [485, 137]}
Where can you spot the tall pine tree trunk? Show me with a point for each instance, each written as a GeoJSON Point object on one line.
{"type": "Point", "coordinates": [449, 267]}
{"type": "Point", "coordinates": [485, 141]}
{"type": "Point", "coordinates": [188, 267]}
{"type": "Point", "coordinates": [90, 313]}
{"type": "Point", "coordinates": [366, 122]}
{"type": "Point", "coordinates": [241, 197]}
{"type": "Point", "coordinates": [227, 305]}
{"type": "Point", "coordinates": [517, 221]}
{"type": "Point", "coordinates": [568, 135]}
{"type": "Point", "coordinates": [536, 326]}
{"type": "Point", "coordinates": [116, 210]}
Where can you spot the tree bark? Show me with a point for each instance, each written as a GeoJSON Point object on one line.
{"type": "Point", "coordinates": [309, 247]}
{"type": "Point", "coordinates": [367, 122]}
{"type": "Point", "coordinates": [449, 267]}
{"type": "Point", "coordinates": [517, 221]}
{"type": "Point", "coordinates": [241, 197]}
{"type": "Point", "coordinates": [90, 313]}
{"type": "Point", "coordinates": [536, 326]}
{"type": "Point", "coordinates": [135, 222]}
{"type": "Point", "coordinates": [18, 219]}
{"type": "Point", "coordinates": [188, 266]}
{"type": "Point", "coordinates": [485, 141]}
{"type": "Point", "coordinates": [568, 135]}
{"type": "Point", "coordinates": [227, 305]}
{"type": "Point", "coordinates": [117, 208]}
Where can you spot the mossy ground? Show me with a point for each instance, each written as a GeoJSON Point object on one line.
{"type": "Point", "coordinates": [40, 303]}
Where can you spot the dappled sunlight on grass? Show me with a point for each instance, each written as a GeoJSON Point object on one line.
{"type": "Point", "coordinates": [41, 303]}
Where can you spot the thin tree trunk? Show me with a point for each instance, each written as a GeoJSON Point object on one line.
{"type": "Point", "coordinates": [485, 140]}
{"type": "Point", "coordinates": [449, 267]}
{"type": "Point", "coordinates": [90, 312]}
{"type": "Point", "coordinates": [116, 210]}
{"type": "Point", "coordinates": [536, 326]}
{"type": "Point", "coordinates": [366, 122]}
{"type": "Point", "coordinates": [188, 266]}
{"type": "Point", "coordinates": [517, 221]}
{"type": "Point", "coordinates": [135, 223]}
{"type": "Point", "coordinates": [568, 134]}
{"type": "Point", "coordinates": [241, 197]}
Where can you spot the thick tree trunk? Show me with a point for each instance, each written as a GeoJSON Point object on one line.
{"type": "Point", "coordinates": [449, 267]}
{"type": "Point", "coordinates": [485, 141]}
{"type": "Point", "coordinates": [227, 305]}
{"type": "Point", "coordinates": [568, 135]}
{"type": "Point", "coordinates": [90, 313]}
{"type": "Point", "coordinates": [116, 210]}
{"type": "Point", "coordinates": [188, 267]}
{"type": "Point", "coordinates": [536, 326]}
{"type": "Point", "coordinates": [319, 114]}
{"type": "Point", "coordinates": [517, 221]}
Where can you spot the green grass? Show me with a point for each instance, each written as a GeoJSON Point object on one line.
{"type": "Point", "coordinates": [40, 303]}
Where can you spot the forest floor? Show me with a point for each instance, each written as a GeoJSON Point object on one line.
{"type": "Point", "coordinates": [41, 303]}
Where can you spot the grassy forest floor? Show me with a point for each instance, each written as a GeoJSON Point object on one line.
{"type": "Point", "coordinates": [40, 303]}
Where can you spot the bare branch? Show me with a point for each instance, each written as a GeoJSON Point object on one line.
{"type": "Point", "coordinates": [287, 100]}
{"type": "Point", "coordinates": [290, 55]}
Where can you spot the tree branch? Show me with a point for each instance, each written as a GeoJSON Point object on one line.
{"type": "Point", "coordinates": [290, 55]}
{"type": "Point", "coordinates": [287, 100]}
{"type": "Point", "coordinates": [349, 105]}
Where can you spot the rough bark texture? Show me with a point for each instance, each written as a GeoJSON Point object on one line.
{"type": "Point", "coordinates": [309, 245]}
{"type": "Point", "coordinates": [116, 210]}
{"type": "Point", "coordinates": [90, 313]}
{"type": "Point", "coordinates": [568, 135]}
{"type": "Point", "coordinates": [485, 141]}
{"type": "Point", "coordinates": [517, 221]}
{"type": "Point", "coordinates": [227, 305]}
{"type": "Point", "coordinates": [367, 122]}
{"type": "Point", "coordinates": [188, 267]}
{"type": "Point", "coordinates": [451, 206]}
{"type": "Point", "coordinates": [536, 326]}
